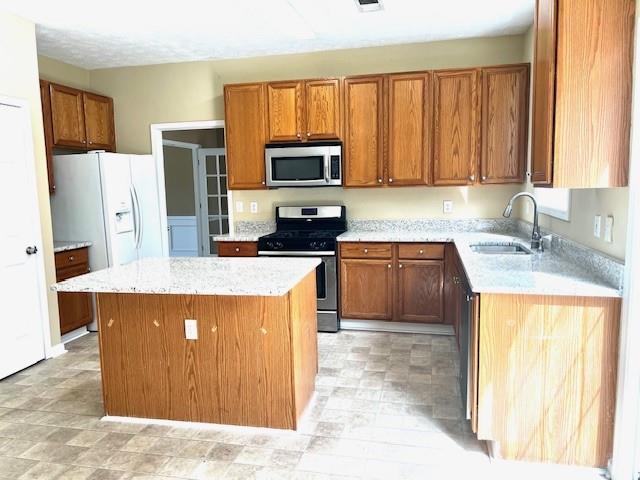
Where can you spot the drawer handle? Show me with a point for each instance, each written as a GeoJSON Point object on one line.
{"type": "Point", "coordinates": [237, 249]}
{"type": "Point", "coordinates": [366, 250]}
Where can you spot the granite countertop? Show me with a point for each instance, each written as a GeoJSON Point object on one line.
{"type": "Point", "coordinates": [242, 237]}
{"type": "Point", "coordinates": [250, 276]}
{"type": "Point", "coordinates": [64, 246]}
{"type": "Point", "coordinates": [547, 273]}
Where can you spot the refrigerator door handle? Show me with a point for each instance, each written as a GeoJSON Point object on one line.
{"type": "Point", "coordinates": [140, 218]}
{"type": "Point", "coordinates": [136, 226]}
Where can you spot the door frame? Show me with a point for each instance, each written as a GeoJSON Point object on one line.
{"type": "Point", "coordinates": [48, 350]}
{"type": "Point", "coordinates": [204, 211]}
{"type": "Point", "coordinates": [156, 130]}
{"type": "Point", "coordinates": [197, 184]}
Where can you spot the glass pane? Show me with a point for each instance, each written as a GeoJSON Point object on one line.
{"type": "Point", "coordinates": [212, 185]}
{"type": "Point", "coordinates": [223, 185]}
{"type": "Point", "coordinates": [223, 164]}
{"type": "Point", "coordinates": [225, 205]}
{"type": "Point", "coordinates": [212, 203]}
{"type": "Point", "coordinates": [297, 168]}
{"type": "Point", "coordinates": [213, 247]}
{"type": "Point", "coordinates": [214, 227]}
{"type": "Point", "coordinates": [225, 225]}
{"type": "Point", "coordinates": [211, 165]}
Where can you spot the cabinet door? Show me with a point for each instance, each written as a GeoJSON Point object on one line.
{"type": "Point", "coordinates": [505, 117]}
{"type": "Point", "coordinates": [366, 289]}
{"type": "Point", "coordinates": [544, 79]}
{"type": "Point", "coordinates": [245, 133]}
{"type": "Point", "coordinates": [420, 291]}
{"type": "Point", "coordinates": [45, 99]}
{"type": "Point", "coordinates": [75, 309]}
{"type": "Point", "coordinates": [322, 107]}
{"type": "Point", "coordinates": [98, 115]}
{"type": "Point", "coordinates": [363, 131]}
{"type": "Point", "coordinates": [409, 117]}
{"type": "Point", "coordinates": [285, 111]}
{"type": "Point", "coordinates": [67, 114]}
{"type": "Point", "coordinates": [456, 127]}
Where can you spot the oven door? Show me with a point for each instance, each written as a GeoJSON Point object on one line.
{"type": "Point", "coordinates": [297, 167]}
{"type": "Point", "coordinates": [326, 280]}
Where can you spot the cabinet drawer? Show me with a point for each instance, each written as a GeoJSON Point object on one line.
{"type": "Point", "coordinates": [72, 258]}
{"type": "Point", "coordinates": [365, 250]}
{"type": "Point", "coordinates": [237, 249]}
{"type": "Point", "coordinates": [428, 251]}
{"type": "Point", "coordinates": [70, 272]}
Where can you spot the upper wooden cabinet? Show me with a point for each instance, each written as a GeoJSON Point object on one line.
{"type": "Point", "coordinates": [582, 93]}
{"type": "Point", "coordinates": [456, 127]}
{"type": "Point", "coordinates": [409, 128]}
{"type": "Point", "coordinates": [99, 124]}
{"type": "Point", "coordinates": [303, 110]}
{"type": "Point", "coordinates": [505, 116]}
{"type": "Point", "coordinates": [67, 113]}
{"type": "Point", "coordinates": [363, 131]}
{"type": "Point", "coordinates": [245, 132]}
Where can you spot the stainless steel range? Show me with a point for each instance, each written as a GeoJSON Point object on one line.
{"type": "Point", "coordinates": [311, 231]}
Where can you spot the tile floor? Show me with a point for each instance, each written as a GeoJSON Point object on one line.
{"type": "Point", "coordinates": [387, 407]}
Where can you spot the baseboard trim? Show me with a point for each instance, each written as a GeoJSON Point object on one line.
{"type": "Point", "coordinates": [395, 327]}
{"type": "Point", "coordinates": [74, 334]}
{"type": "Point", "coordinates": [55, 350]}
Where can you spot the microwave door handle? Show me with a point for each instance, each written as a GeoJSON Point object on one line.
{"type": "Point", "coordinates": [327, 163]}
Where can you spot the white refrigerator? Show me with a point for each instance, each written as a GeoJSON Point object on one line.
{"type": "Point", "coordinates": [111, 200]}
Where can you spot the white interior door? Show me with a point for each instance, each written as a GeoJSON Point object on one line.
{"type": "Point", "coordinates": [21, 266]}
{"type": "Point", "coordinates": [214, 199]}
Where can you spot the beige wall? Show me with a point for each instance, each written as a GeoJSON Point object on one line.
{"type": "Point", "coordinates": [585, 204]}
{"type": "Point", "coordinates": [20, 79]}
{"type": "Point", "coordinates": [60, 72]}
{"type": "Point", "coordinates": [178, 173]}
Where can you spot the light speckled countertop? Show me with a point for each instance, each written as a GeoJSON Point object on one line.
{"type": "Point", "coordinates": [64, 246]}
{"type": "Point", "coordinates": [256, 276]}
{"type": "Point", "coordinates": [547, 273]}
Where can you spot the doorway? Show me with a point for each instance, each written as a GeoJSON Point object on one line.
{"type": "Point", "coordinates": [192, 175]}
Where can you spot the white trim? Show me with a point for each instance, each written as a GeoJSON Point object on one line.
{"type": "Point", "coordinates": [32, 186]}
{"type": "Point", "coordinates": [396, 327]}
{"type": "Point", "coordinates": [156, 130]}
{"type": "Point", "coordinates": [74, 334]}
{"type": "Point", "coordinates": [56, 350]}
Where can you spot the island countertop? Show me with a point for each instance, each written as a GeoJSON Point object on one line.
{"type": "Point", "coordinates": [259, 276]}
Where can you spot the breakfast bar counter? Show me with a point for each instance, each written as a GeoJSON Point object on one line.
{"type": "Point", "coordinates": [216, 340]}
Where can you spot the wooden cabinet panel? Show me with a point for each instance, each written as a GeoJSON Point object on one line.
{"type": "Point", "coordinates": [237, 249]}
{"type": "Point", "coordinates": [421, 251]}
{"type": "Point", "coordinates": [75, 309]}
{"type": "Point", "coordinates": [544, 77]}
{"type": "Point", "coordinates": [363, 131]}
{"type": "Point", "coordinates": [99, 121]}
{"type": "Point", "coordinates": [284, 101]}
{"type": "Point", "coordinates": [593, 93]}
{"type": "Point", "coordinates": [505, 118]}
{"type": "Point", "coordinates": [366, 289]}
{"type": "Point", "coordinates": [67, 113]}
{"type": "Point", "coordinates": [45, 99]}
{"type": "Point", "coordinates": [322, 112]}
{"type": "Point", "coordinates": [547, 377]}
{"type": "Point", "coordinates": [456, 127]}
{"type": "Point", "coordinates": [420, 291]}
{"type": "Point", "coordinates": [365, 250]}
{"type": "Point", "coordinates": [409, 117]}
{"type": "Point", "coordinates": [72, 258]}
{"type": "Point", "coordinates": [245, 134]}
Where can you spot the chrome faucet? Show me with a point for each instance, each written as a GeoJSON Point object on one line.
{"type": "Point", "coordinates": [536, 238]}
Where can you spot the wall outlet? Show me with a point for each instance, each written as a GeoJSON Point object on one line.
{"type": "Point", "coordinates": [239, 206]}
{"type": "Point", "coordinates": [608, 229]}
{"type": "Point", "coordinates": [447, 206]}
{"type": "Point", "coordinates": [190, 329]}
{"type": "Point", "coordinates": [254, 207]}
{"type": "Point", "coordinates": [597, 226]}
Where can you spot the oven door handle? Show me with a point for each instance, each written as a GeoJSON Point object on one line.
{"type": "Point", "coordinates": [263, 253]}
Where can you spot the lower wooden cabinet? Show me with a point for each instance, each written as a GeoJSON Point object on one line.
{"type": "Point", "coordinates": [392, 282]}
{"type": "Point", "coordinates": [75, 309]}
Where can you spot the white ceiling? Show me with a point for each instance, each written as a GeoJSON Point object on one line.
{"type": "Point", "coordinates": [116, 33]}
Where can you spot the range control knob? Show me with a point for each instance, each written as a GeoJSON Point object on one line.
{"type": "Point", "coordinates": [319, 245]}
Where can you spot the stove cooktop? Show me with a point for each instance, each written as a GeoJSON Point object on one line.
{"type": "Point", "coordinates": [300, 240]}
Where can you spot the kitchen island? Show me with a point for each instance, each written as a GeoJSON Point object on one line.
{"type": "Point", "coordinates": [216, 340]}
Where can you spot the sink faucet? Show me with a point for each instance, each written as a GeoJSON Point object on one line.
{"type": "Point", "coordinates": [536, 238]}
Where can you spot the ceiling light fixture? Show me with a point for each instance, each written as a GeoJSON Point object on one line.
{"type": "Point", "coordinates": [369, 5]}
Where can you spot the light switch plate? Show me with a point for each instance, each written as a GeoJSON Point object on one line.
{"type": "Point", "coordinates": [254, 207]}
{"type": "Point", "coordinates": [597, 226]}
{"type": "Point", "coordinates": [239, 206]}
{"type": "Point", "coordinates": [608, 229]}
{"type": "Point", "coordinates": [190, 329]}
{"type": "Point", "coordinates": [447, 206]}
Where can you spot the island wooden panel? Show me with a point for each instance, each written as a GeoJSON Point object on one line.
{"type": "Point", "coordinates": [254, 362]}
{"type": "Point", "coordinates": [547, 377]}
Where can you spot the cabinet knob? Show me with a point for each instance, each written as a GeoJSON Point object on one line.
{"type": "Point", "coordinates": [389, 266]}
{"type": "Point", "coordinates": [484, 177]}
{"type": "Point", "coordinates": [391, 180]}
{"type": "Point", "coordinates": [237, 249]}
{"type": "Point", "coordinates": [472, 177]}
{"type": "Point", "coordinates": [90, 143]}
{"type": "Point", "coordinates": [366, 250]}
{"type": "Point", "coordinates": [421, 252]}
{"type": "Point", "coordinates": [379, 180]}
{"type": "Point", "coordinates": [308, 134]}
{"type": "Point", "coordinates": [400, 266]}
{"type": "Point", "coordinates": [263, 183]}
{"type": "Point", "coordinates": [72, 258]}
{"type": "Point", "coordinates": [299, 135]}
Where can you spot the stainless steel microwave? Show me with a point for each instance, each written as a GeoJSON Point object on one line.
{"type": "Point", "coordinates": [311, 164]}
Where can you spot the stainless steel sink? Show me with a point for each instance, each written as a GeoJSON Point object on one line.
{"type": "Point", "coordinates": [505, 248]}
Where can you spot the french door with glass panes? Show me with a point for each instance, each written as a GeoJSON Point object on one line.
{"type": "Point", "coordinates": [214, 201]}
